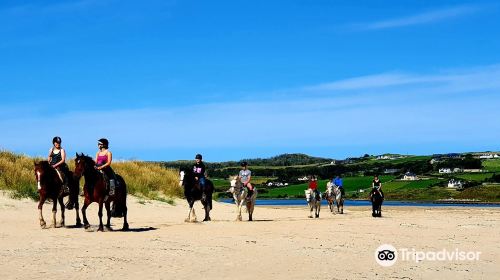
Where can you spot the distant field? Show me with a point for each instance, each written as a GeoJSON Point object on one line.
{"type": "Point", "coordinates": [474, 176]}
{"type": "Point", "coordinates": [492, 165]}
{"type": "Point", "coordinates": [350, 184]}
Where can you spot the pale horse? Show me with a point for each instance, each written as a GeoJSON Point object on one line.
{"type": "Point", "coordinates": [240, 198]}
{"type": "Point", "coordinates": [313, 202]}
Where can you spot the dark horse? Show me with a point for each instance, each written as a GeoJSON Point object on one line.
{"type": "Point", "coordinates": [50, 187]}
{"type": "Point", "coordinates": [95, 190]}
{"type": "Point", "coordinates": [377, 199]}
{"type": "Point", "coordinates": [192, 192]}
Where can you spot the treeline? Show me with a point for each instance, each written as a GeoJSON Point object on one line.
{"type": "Point", "coordinates": [281, 160]}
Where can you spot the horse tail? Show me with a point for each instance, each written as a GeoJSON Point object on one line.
{"type": "Point", "coordinates": [119, 205]}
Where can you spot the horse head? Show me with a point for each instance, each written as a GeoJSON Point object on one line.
{"type": "Point", "coordinates": [186, 177]}
{"type": "Point", "coordinates": [43, 172]}
{"type": "Point", "coordinates": [83, 164]}
{"type": "Point", "coordinates": [308, 193]}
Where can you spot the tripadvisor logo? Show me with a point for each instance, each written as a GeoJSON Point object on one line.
{"type": "Point", "coordinates": [387, 255]}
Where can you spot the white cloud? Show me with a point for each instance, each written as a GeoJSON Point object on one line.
{"type": "Point", "coordinates": [418, 19]}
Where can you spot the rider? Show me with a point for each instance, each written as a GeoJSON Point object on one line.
{"type": "Point", "coordinates": [103, 159]}
{"type": "Point", "coordinates": [57, 159]}
{"type": "Point", "coordinates": [340, 184]}
{"type": "Point", "coordinates": [313, 185]}
{"type": "Point", "coordinates": [199, 170]}
{"type": "Point", "coordinates": [376, 184]}
{"type": "Point", "coordinates": [244, 176]}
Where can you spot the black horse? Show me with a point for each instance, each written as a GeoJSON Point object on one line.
{"type": "Point", "coordinates": [377, 199]}
{"type": "Point", "coordinates": [193, 192]}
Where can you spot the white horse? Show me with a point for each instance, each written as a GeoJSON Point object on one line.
{"type": "Point", "coordinates": [313, 202]}
{"type": "Point", "coordinates": [240, 195]}
{"type": "Point", "coordinates": [330, 196]}
{"type": "Point", "coordinates": [339, 199]}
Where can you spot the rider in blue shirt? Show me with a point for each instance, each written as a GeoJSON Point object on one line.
{"type": "Point", "coordinates": [340, 184]}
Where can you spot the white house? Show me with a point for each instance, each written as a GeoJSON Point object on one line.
{"type": "Point", "coordinates": [444, 170]}
{"type": "Point", "coordinates": [454, 184]}
{"type": "Point", "coordinates": [409, 176]}
{"type": "Point", "coordinates": [305, 178]}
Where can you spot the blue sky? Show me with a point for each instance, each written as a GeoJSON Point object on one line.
{"type": "Point", "coordinates": [164, 80]}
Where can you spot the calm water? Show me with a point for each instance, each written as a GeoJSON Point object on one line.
{"type": "Point", "coordinates": [302, 202]}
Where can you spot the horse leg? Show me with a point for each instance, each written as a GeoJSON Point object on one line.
{"type": "Point", "coordinates": [318, 209]}
{"type": "Point", "coordinates": [77, 209]}
{"type": "Point", "coordinates": [61, 203]}
{"type": "Point", "coordinates": [240, 206]}
{"type": "Point", "coordinates": [108, 212]}
{"type": "Point", "coordinates": [86, 204]}
{"type": "Point", "coordinates": [54, 212]}
{"type": "Point", "coordinates": [250, 208]}
{"type": "Point", "coordinates": [43, 224]}
{"type": "Point", "coordinates": [101, 225]}
{"type": "Point", "coordinates": [125, 222]}
{"type": "Point", "coordinates": [311, 208]}
{"type": "Point", "coordinates": [207, 211]}
{"type": "Point", "coordinates": [342, 206]}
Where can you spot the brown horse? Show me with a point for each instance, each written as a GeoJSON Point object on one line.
{"type": "Point", "coordinates": [49, 187]}
{"type": "Point", "coordinates": [94, 190]}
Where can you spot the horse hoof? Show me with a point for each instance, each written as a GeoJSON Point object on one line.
{"type": "Point", "coordinates": [52, 226]}
{"type": "Point", "coordinates": [78, 224]}
{"type": "Point", "coordinates": [125, 227]}
{"type": "Point", "coordinates": [87, 226]}
{"type": "Point", "coordinates": [108, 228]}
{"type": "Point", "coordinates": [60, 225]}
{"type": "Point", "coordinates": [373, 215]}
{"type": "Point", "coordinates": [310, 217]}
{"type": "Point", "coordinates": [100, 229]}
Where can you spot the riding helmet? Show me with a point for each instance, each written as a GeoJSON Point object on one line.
{"type": "Point", "coordinates": [104, 142]}
{"type": "Point", "coordinates": [198, 156]}
{"type": "Point", "coordinates": [56, 139]}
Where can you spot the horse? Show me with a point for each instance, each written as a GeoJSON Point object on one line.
{"type": "Point", "coordinates": [94, 190]}
{"type": "Point", "coordinates": [329, 196]}
{"type": "Point", "coordinates": [377, 199]}
{"type": "Point", "coordinates": [50, 186]}
{"type": "Point", "coordinates": [193, 192]}
{"type": "Point", "coordinates": [339, 199]}
{"type": "Point", "coordinates": [314, 202]}
{"type": "Point", "coordinates": [240, 196]}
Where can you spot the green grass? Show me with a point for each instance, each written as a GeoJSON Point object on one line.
{"type": "Point", "coordinates": [479, 177]}
{"type": "Point", "coordinates": [492, 165]}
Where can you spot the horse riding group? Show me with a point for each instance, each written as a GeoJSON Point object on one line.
{"type": "Point", "coordinates": [55, 181]}
{"type": "Point", "coordinates": [103, 186]}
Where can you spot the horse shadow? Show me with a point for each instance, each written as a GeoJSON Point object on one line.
{"type": "Point", "coordinates": [139, 229]}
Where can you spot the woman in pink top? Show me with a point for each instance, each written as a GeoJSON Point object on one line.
{"type": "Point", "coordinates": [103, 159]}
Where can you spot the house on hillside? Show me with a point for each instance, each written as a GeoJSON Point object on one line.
{"type": "Point", "coordinates": [454, 184]}
{"type": "Point", "coordinates": [305, 178]}
{"type": "Point", "coordinates": [444, 170]}
{"type": "Point", "coordinates": [409, 176]}
{"type": "Point", "coordinates": [488, 156]}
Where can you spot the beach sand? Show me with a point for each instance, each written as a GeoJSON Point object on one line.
{"type": "Point", "coordinates": [282, 243]}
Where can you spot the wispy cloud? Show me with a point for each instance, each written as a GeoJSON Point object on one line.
{"type": "Point", "coordinates": [418, 19]}
{"type": "Point", "coordinates": [480, 78]}
{"type": "Point", "coordinates": [416, 113]}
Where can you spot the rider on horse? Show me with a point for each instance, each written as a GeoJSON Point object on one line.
{"type": "Point", "coordinates": [103, 161]}
{"type": "Point", "coordinates": [244, 176]}
{"type": "Point", "coordinates": [57, 159]}
{"type": "Point", "coordinates": [377, 185]}
{"type": "Point", "coordinates": [313, 185]}
{"type": "Point", "coordinates": [340, 184]}
{"type": "Point", "coordinates": [199, 171]}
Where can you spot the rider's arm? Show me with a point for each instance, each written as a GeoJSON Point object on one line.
{"type": "Point", "coordinates": [49, 157]}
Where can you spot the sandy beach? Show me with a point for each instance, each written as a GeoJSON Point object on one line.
{"type": "Point", "coordinates": [282, 243]}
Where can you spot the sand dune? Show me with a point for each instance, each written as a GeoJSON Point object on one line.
{"type": "Point", "coordinates": [281, 244]}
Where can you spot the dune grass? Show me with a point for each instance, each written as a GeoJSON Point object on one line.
{"type": "Point", "coordinates": [147, 180]}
